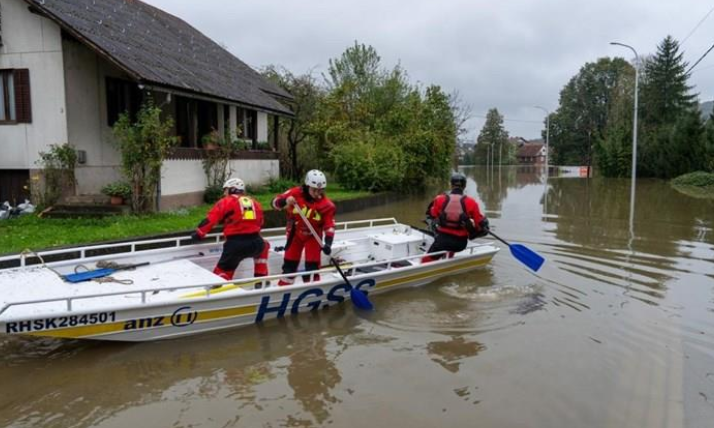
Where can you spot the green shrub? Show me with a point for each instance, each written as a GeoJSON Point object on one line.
{"type": "Point", "coordinates": [58, 167]}
{"type": "Point", "coordinates": [263, 145]}
{"type": "Point", "coordinates": [118, 188]}
{"type": "Point", "coordinates": [697, 179]}
{"type": "Point", "coordinates": [212, 193]}
{"type": "Point", "coordinates": [279, 185]}
{"type": "Point", "coordinates": [144, 144]}
{"type": "Point", "coordinates": [369, 166]}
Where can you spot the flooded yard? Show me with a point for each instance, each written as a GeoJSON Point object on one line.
{"type": "Point", "coordinates": [616, 330]}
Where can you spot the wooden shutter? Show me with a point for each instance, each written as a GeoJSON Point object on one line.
{"type": "Point", "coordinates": [23, 104]}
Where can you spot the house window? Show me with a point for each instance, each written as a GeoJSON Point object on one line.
{"type": "Point", "coordinates": [207, 118]}
{"type": "Point", "coordinates": [251, 125]}
{"type": "Point", "coordinates": [186, 121]}
{"type": "Point", "coordinates": [194, 120]}
{"type": "Point", "coordinates": [123, 96]}
{"type": "Point", "coordinates": [15, 103]}
{"type": "Point", "coordinates": [248, 122]}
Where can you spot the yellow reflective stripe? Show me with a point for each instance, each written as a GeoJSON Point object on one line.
{"type": "Point", "coordinates": [117, 327]}
{"type": "Point", "coordinates": [205, 316]}
{"type": "Point", "coordinates": [247, 208]}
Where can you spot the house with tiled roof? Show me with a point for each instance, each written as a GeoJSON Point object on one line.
{"type": "Point", "coordinates": [69, 68]}
{"type": "Point", "coordinates": [531, 153]}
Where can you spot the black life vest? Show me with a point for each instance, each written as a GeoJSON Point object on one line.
{"type": "Point", "coordinates": [453, 213]}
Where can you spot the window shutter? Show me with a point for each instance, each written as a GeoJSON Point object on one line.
{"type": "Point", "coordinates": [23, 104]}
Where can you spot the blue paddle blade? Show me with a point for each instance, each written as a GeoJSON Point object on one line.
{"type": "Point", "coordinates": [360, 300]}
{"type": "Point", "coordinates": [91, 274]}
{"type": "Point", "coordinates": [527, 256]}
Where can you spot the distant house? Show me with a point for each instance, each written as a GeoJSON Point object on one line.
{"type": "Point", "coordinates": [69, 68]}
{"type": "Point", "coordinates": [531, 154]}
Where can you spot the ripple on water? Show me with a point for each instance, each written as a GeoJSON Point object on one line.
{"type": "Point", "coordinates": [453, 307]}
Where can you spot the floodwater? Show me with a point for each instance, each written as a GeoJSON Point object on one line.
{"type": "Point", "coordinates": [616, 330]}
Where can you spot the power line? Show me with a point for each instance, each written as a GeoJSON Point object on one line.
{"type": "Point", "coordinates": [697, 26]}
{"type": "Point", "coordinates": [700, 59]}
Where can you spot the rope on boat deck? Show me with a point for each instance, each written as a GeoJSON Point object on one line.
{"type": "Point", "coordinates": [28, 251]}
{"type": "Point", "coordinates": [100, 264]}
{"type": "Point", "coordinates": [105, 264]}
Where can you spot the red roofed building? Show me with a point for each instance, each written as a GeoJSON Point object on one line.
{"type": "Point", "coordinates": [531, 154]}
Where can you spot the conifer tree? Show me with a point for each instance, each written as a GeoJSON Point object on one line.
{"type": "Point", "coordinates": [493, 138]}
{"type": "Point", "coordinates": [671, 142]}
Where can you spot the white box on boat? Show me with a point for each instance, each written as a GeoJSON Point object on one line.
{"type": "Point", "coordinates": [393, 245]}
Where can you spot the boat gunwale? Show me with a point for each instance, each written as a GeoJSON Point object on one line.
{"type": "Point", "coordinates": [210, 239]}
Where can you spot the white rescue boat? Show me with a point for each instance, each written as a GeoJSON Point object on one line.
{"type": "Point", "coordinates": [174, 292]}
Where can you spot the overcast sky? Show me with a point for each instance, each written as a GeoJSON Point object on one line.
{"type": "Point", "coordinates": [508, 54]}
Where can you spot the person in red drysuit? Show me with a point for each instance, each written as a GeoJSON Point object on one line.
{"type": "Point", "coordinates": [242, 218]}
{"type": "Point", "coordinates": [320, 211]}
{"type": "Point", "coordinates": [455, 218]}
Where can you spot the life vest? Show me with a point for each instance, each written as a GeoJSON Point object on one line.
{"type": "Point", "coordinates": [453, 213]}
{"type": "Point", "coordinates": [247, 209]}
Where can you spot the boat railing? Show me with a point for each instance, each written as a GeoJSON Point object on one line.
{"type": "Point", "coordinates": [352, 271]}
{"type": "Point", "coordinates": [29, 258]}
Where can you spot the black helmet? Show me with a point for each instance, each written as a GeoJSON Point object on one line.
{"type": "Point", "coordinates": [458, 180]}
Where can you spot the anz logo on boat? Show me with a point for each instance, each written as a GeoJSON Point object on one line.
{"type": "Point", "coordinates": [311, 299]}
{"type": "Point", "coordinates": [181, 317]}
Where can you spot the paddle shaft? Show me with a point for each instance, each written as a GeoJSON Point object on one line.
{"type": "Point", "coordinates": [319, 241]}
{"type": "Point", "coordinates": [498, 237]}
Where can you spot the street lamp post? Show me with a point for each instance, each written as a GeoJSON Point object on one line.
{"type": "Point", "coordinates": [634, 133]}
{"type": "Point", "coordinates": [547, 136]}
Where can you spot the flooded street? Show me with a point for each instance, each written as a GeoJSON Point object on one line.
{"type": "Point", "coordinates": [616, 330]}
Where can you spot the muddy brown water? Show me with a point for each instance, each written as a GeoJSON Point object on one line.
{"type": "Point", "coordinates": [616, 330]}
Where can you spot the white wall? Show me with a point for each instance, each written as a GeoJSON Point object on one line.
{"type": "Point", "coordinates": [33, 42]}
{"type": "Point", "coordinates": [87, 128]}
{"type": "Point", "coordinates": [182, 176]}
{"type": "Point", "coordinates": [187, 176]}
{"type": "Point", "coordinates": [253, 171]}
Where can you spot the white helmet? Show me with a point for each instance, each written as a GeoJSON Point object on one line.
{"type": "Point", "coordinates": [234, 183]}
{"type": "Point", "coordinates": [315, 178]}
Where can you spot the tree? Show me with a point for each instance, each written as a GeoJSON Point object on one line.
{"type": "Point", "coordinates": [665, 93]}
{"type": "Point", "coordinates": [307, 96]}
{"type": "Point", "coordinates": [352, 79]}
{"type": "Point", "coordinates": [708, 142]}
{"type": "Point", "coordinates": [672, 132]}
{"type": "Point", "coordinates": [492, 139]}
{"type": "Point", "coordinates": [614, 149]}
{"type": "Point", "coordinates": [581, 118]}
{"type": "Point", "coordinates": [407, 134]}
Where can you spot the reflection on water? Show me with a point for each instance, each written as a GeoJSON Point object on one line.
{"type": "Point", "coordinates": [616, 330]}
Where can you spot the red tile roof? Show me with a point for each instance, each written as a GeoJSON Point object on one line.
{"type": "Point", "coordinates": [529, 150]}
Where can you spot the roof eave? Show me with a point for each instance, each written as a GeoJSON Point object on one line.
{"type": "Point", "coordinates": [34, 8]}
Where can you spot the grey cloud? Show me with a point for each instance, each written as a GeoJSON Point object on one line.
{"type": "Point", "coordinates": [510, 55]}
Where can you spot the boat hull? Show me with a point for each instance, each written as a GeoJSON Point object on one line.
{"type": "Point", "coordinates": [216, 310]}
